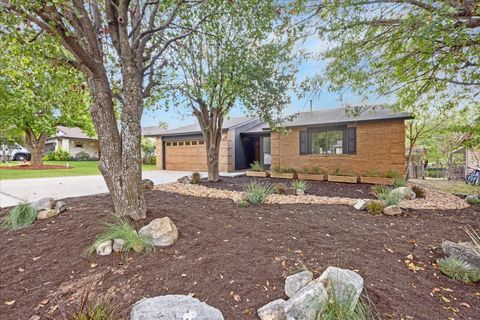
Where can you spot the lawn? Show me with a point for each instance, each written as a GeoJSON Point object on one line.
{"type": "Point", "coordinates": [78, 168]}
{"type": "Point", "coordinates": [236, 258]}
{"type": "Point", "coordinates": [448, 186]}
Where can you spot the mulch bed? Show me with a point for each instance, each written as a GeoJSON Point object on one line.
{"type": "Point", "coordinates": [317, 188]}
{"type": "Point", "coordinates": [224, 250]}
{"type": "Point", "coordinates": [29, 167]}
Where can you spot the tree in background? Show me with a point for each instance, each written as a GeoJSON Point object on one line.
{"type": "Point", "coordinates": [163, 124]}
{"type": "Point", "coordinates": [119, 46]}
{"type": "Point", "coordinates": [40, 92]}
{"type": "Point", "coordinates": [238, 59]}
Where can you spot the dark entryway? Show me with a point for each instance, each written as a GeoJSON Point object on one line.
{"type": "Point", "coordinates": [256, 148]}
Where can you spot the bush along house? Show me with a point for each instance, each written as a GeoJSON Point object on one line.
{"type": "Point", "coordinates": [329, 139]}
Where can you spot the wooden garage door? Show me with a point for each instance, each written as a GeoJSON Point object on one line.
{"type": "Point", "coordinates": [185, 155]}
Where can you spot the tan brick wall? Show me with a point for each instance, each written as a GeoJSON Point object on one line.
{"type": "Point", "coordinates": [159, 152]}
{"type": "Point", "coordinates": [380, 147]}
{"type": "Point", "coordinates": [193, 157]}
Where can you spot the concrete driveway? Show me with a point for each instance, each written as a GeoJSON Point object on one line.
{"type": "Point", "coordinates": [14, 191]}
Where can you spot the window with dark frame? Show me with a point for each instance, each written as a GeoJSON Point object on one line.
{"type": "Point", "coordinates": [328, 140]}
{"type": "Point", "coordinates": [194, 143]}
{"type": "Point", "coordinates": [181, 143]}
{"type": "Point", "coordinates": [201, 142]}
{"type": "Point", "coordinates": [187, 143]}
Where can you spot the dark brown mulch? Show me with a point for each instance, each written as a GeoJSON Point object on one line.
{"type": "Point", "coordinates": [318, 188]}
{"type": "Point", "coordinates": [224, 250]}
{"type": "Point", "coordinates": [29, 167]}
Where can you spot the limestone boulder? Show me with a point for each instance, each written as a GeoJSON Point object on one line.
{"type": "Point", "coordinates": [147, 184]}
{"type": "Point", "coordinates": [392, 211]}
{"type": "Point", "coordinates": [174, 307]}
{"type": "Point", "coordinates": [307, 302]}
{"type": "Point", "coordinates": [184, 180]}
{"type": "Point", "coordinates": [406, 192]}
{"type": "Point", "coordinates": [43, 204]}
{"type": "Point", "coordinates": [60, 206]}
{"type": "Point", "coordinates": [104, 248]}
{"type": "Point", "coordinates": [362, 204]}
{"type": "Point", "coordinates": [297, 281]}
{"type": "Point", "coordinates": [464, 251]}
{"type": "Point", "coordinates": [161, 231]}
{"type": "Point", "coordinates": [347, 285]}
{"type": "Point", "coordinates": [273, 310]}
{"type": "Point", "coordinates": [118, 244]}
{"type": "Point", "coordinates": [46, 214]}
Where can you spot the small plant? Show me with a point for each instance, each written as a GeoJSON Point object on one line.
{"type": "Point", "coordinates": [390, 198]}
{"type": "Point", "coordinates": [83, 156]}
{"type": "Point", "coordinates": [121, 228]}
{"type": "Point", "coordinates": [279, 188]}
{"type": "Point", "coordinates": [459, 270]}
{"type": "Point", "coordinates": [196, 178]}
{"type": "Point", "coordinates": [336, 171]}
{"type": "Point", "coordinates": [257, 192]}
{"type": "Point", "coordinates": [19, 217]}
{"type": "Point", "coordinates": [419, 191]}
{"type": "Point", "coordinates": [392, 174]}
{"type": "Point", "coordinates": [257, 166]}
{"type": "Point", "coordinates": [300, 185]}
{"type": "Point", "coordinates": [93, 308]}
{"type": "Point", "coordinates": [380, 189]}
{"type": "Point", "coordinates": [399, 182]}
{"type": "Point", "coordinates": [335, 309]}
{"type": "Point", "coordinates": [57, 155]}
{"type": "Point", "coordinates": [375, 207]}
{"type": "Point", "coordinates": [312, 170]}
{"type": "Point", "coordinates": [279, 169]}
{"type": "Point", "coordinates": [371, 173]}
{"type": "Point", "coordinates": [473, 201]}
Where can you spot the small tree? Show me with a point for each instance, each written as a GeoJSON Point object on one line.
{"type": "Point", "coordinates": [42, 93]}
{"type": "Point", "coordinates": [237, 59]}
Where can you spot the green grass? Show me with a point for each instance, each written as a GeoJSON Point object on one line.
{"type": "Point", "coordinates": [300, 184]}
{"type": "Point", "coordinates": [336, 309]}
{"type": "Point", "coordinates": [257, 192]}
{"type": "Point", "coordinates": [19, 217]}
{"type": "Point", "coordinates": [459, 270]}
{"type": "Point", "coordinates": [79, 168]}
{"type": "Point", "coordinates": [120, 228]}
{"type": "Point", "coordinates": [448, 186]}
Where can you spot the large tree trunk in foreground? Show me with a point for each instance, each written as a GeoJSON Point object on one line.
{"type": "Point", "coordinates": [120, 160]}
{"type": "Point", "coordinates": [35, 145]}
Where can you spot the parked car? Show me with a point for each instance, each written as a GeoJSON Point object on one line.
{"type": "Point", "coordinates": [15, 152]}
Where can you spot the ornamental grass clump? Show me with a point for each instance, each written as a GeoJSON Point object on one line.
{"type": "Point", "coordinates": [337, 309]}
{"type": "Point", "coordinates": [257, 192]}
{"type": "Point", "coordinates": [121, 228]}
{"type": "Point", "coordinates": [196, 178]}
{"type": "Point", "coordinates": [22, 216]}
{"type": "Point", "coordinates": [398, 182]}
{"type": "Point", "coordinates": [300, 185]}
{"type": "Point", "coordinates": [385, 194]}
{"type": "Point", "coordinates": [257, 166]}
{"type": "Point", "coordinates": [375, 207]}
{"type": "Point", "coordinates": [459, 270]}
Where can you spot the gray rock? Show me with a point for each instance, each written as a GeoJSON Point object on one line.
{"type": "Point", "coordinates": [307, 302]}
{"type": "Point", "coordinates": [273, 310]}
{"type": "Point", "coordinates": [60, 206]}
{"type": "Point", "coordinates": [407, 193]}
{"type": "Point", "coordinates": [392, 211]}
{"type": "Point", "coordinates": [43, 204]}
{"type": "Point", "coordinates": [465, 251]}
{"type": "Point", "coordinates": [346, 284]}
{"type": "Point", "coordinates": [297, 281]}
{"type": "Point", "coordinates": [362, 204]}
{"type": "Point", "coordinates": [46, 214]}
{"type": "Point", "coordinates": [147, 184]}
{"type": "Point", "coordinates": [174, 307]}
{"type": "Point", "coordinates": [34, 317]}
{"type": "Point", "coordinates": [161, 231]}
{"type": "Point", "coordinates": [104, 248]}
{"type": "Point", "coordinates": [118, 245]}
{"type": "Point", "coordinates": [184, 180]}
{"type": "Point", "coordinates": [300, 192]}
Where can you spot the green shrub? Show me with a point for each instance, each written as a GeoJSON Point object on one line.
{"type": "Point", "coordinates": [279, 188]}
{"type": "Point", "coordinates": [336, 171]}
{"type": "Point", "coordinates": [371, 173]}
{"type": "Point", "coordinates": [19, 217]}
{"type": "Point", "coordinates": [392, 174]}
{"type": "Point", "coordinates": [196, 178]}
{"type": "Point", "coordinates": [57, 155]}
{"type": "Point", "coordinates": [280, 169]}
{"type": "Point", "coordinates": [257, 192]}
{"type": "Point", "coordinates": [473, 201]}
{"type": "Point", "coordinates": [83, 156]}
{"type": "Point", "coordinates": [399, 182]}
{"type": "Point", "coordinates": [120, 228]}
{"type": "Point", "coordinates": [419, 191]}
{"type": "Point", "coordinates": [312, 170]}
{"type": "Point", "coordinates": [335, 309]}
{"type": "Point", "coordinates": [256, 166]}
{"type": "Point", "coordinates": [390, 198]}
{"type": "Point", "coordinates": [380, 189]}
{"type": "Point", "coordinates": [300, 184]}
{"type": "Point", "coordinates": [459, 270]}
{"type": "Point", "coordinates": [153, 160]}
{"type": "Point", "coordinates": [375, 207]}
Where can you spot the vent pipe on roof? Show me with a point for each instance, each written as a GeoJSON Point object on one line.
{"type": "Point", "coordinates": [311, 108]}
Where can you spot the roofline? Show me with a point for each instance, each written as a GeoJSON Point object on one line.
{"type": "Point", "coordinates": [187, 133]}
{"type": "Point", "coordinates": [409, 117]}
{"type": "Point", "coordinates": [70, 137]}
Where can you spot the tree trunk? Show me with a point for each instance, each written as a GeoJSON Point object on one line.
{"type": "Point", "coordinates": [212, 145]}
{"type": "Point", "coordinates": [410, 151]}
{"type": "Point", "coordinates": [35, 146]}
{"type": "Point", "coordinates": [120, 160]}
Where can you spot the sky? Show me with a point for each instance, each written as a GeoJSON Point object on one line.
{"type": "Point", "coordinates": [321, 100]}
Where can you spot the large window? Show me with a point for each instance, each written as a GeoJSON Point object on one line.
{"type": "Point", "coordinates": [327, 142]}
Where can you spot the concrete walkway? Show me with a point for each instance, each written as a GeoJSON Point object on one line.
{"type": "Point", "coordinates": [13, 192]}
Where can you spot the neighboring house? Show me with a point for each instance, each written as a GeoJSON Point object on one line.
{"type": "Point", "coordinates": [328, 138]}
{"type": "Point", "coordinates": [464, 160]}
{"type": "Point", "coordinates": [74, 141]}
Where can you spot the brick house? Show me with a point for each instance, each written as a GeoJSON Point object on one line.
{"type": "Point", "coordinates": [327, 138]}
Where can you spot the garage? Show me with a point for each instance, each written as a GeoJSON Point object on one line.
{"type": "Point", "coordinates": [185, 155]}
